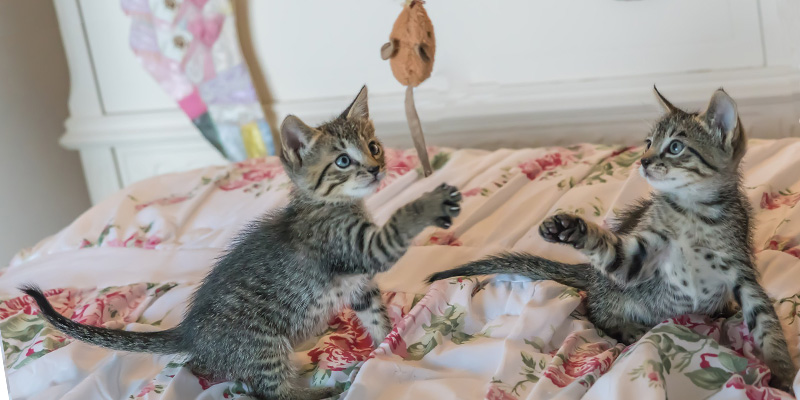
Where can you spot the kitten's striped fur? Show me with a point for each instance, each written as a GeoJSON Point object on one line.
{"type": "Point", "coordinates": [687, 249]}
{"type": "Point", "coordinates": [289, 273]}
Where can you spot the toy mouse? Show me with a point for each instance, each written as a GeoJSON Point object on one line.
{"type": "Point", "coordinates": [410, 51]}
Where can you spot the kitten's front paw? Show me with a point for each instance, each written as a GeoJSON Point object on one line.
{"type": "Point", "coordinates": [784, 384]}
{"type": "Point", "coordinates": [441, 205]}
{"type": "Point", "coordinates": [783, 377]}
{"type": "Point", "coordinates": [564, 228]}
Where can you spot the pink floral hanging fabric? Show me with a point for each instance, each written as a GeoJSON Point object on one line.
{"type": "Point", "coordinates": [191, 48]}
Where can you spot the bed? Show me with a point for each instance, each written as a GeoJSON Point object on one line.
{"type": "Point", "coordinates": [132, 261]}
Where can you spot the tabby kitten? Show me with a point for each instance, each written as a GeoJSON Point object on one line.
{"type": "Point", "coordinates": [286, 275]}
{"type": "Point", "coordinates": [686, 249]}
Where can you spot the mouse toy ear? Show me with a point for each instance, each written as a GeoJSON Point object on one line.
{"type": "Point", "coordinates": [388, 50]}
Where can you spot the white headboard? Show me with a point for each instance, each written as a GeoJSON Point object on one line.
{"type": "Point", "coordinates": [507, 73]}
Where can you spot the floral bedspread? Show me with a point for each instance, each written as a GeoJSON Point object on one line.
{"type": "Point", "coordinates": [132, 262]}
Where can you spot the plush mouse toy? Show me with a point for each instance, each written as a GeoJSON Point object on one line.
{"type": "Point", "coordinates": [410, 51]}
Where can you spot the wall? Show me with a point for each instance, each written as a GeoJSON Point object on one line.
{"type": "Point", "coordinates": [42, 188]}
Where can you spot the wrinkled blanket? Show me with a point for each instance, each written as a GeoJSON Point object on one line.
{"type": "Point", "coordinates": [132, 261]}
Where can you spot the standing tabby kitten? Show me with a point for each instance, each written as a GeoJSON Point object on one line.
{"type": "Point", "coordinates": [687, 249]}
{"type": "Point", "coordinates": [289, 273]}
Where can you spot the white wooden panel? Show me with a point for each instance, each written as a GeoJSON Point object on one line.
{"type": "Point", "coordinates": [141, 161]}
{"type": "Point", "coordinates": [313, 49]}
{"type": "Point", "coordinates": [100, 169]}
{"type": "Point", "coordinates": [83, 101]}
{"type": "Point", "coordinates": [781, 25]}
{"type": "Point", "coordinates": [319, 49]}
{"type": "Point", "coordinates": [125, 86]}
{"type": "Point", "coordinates": [535, 41]}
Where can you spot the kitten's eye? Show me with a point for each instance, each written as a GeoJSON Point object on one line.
{"type": "Point", "coordinates": [374, 148]}
{"type": "Point", "coordinates": [343, 161]}
{"type": "Point", "coordinates": [649, 143]}
{"type": "Point", "coordinates": [676, 147]}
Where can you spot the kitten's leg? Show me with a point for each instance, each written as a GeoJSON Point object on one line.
{"type": "Point", "coordinates": [728, 310]}
{"type": "Point", "coordinates": [624, 259]}
{"type": "Point", "coordinates": [272, 374]}
{"type": "Point", "coordinates": [376, 249]}
{"type": "Point", "coordinates": [618, 327]}
{"type": "Point", "coordinates": [371, 311]}
{"type": "Point", "coordinates": [200, 369]}
{"type": "Point", "coordinates": [765, 327]}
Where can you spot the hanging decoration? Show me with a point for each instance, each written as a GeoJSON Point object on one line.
{"type": "Point", "coordinates": [410, 51]}
{"type": "Point", "coordinates": [191, 48]}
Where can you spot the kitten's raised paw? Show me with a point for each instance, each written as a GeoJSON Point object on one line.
{"type": "Point", "coordinates": [442, 205]}
{"type": "Point", "coordinates": [564, 228]}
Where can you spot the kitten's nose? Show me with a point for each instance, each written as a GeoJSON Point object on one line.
{"type": "Point", "coordinates": [647, 161]}
{"type": "Point", "coordinates": [374, 170]}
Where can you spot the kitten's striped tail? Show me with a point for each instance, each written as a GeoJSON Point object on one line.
{"type": "Point", "coordinates": [163, 342]}
{"type": "Point", "coordinates": [575, 275]}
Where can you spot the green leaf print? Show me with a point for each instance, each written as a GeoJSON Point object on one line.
{"type": "Point", "coordinates": [528, 361]}
{"type": "Point", "coordinates": [308, 369]}
{"type": "Point", "coordinates": [52, 344]}
{"type": "Point", "coordinates": [665, 362]}
{"type": "Point", "coordinates": [794, 302]}
{"type": "Point", "coordinates": [104, 233]}
{"type": "Point", "coordinates": [732, 363]}
{"type": "Point", "coordinates": [417, 298]}
{"type": "Point", "coordinates": [680, 332]}
{"type": "Point", "coordinates": [173, 364]}
{"type": "Point", "coordinates": [9, 349]}
{"type": "Point", "coordinates": [342, 386]}
{"type": "Point", "coordinates": [616, 164]}
{"type": "Point", "coordinates": [418, 350]}
{"type": "Point", "coordinates": [236, 388]}
{"type": "Point", "coordinates": [709, 378]}
{"type": "Point", "coordinates": [439, 160]}
{"type": "Point", "coordinates": [569, 292]}
{"type": "Point", "coordinates": [451, 323]}
{"type": "Point", "coordinates": [320, 376]}
{"type": "Point", "coordinates": [461, 337]}
{"type": "Point", "coordinates": [21, 327]}
{"type": "Point", "coordinates": [536, 343]}
{"type": "Point", "coordinates": [530, 371]}
{"type": "Point", "coordinates": [33, 356]}
{"type": "Point", "coordinates": [642, 371]}
{"type": "Point", "coordinates": [567, 182]}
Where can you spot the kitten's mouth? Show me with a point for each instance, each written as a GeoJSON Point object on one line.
{"type": "Point", "coordinates": [649, 175]}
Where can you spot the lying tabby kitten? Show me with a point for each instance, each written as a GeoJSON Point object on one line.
{"type": "Point", "coordinates": [687, 249]}
{"type": "Point", "coordinates": [288, 274]}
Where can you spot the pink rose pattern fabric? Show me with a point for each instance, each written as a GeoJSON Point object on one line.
{"type": "Point", "coordinates": [549, 347]}
{"type": "Point", "coordinates": [27, 337]}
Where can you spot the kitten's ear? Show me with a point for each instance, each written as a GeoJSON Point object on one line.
{"type": "Point", "coordinates": [358, 108]}
{"type": "Point", "coordinates": [722, 118]}
{"type": "Point", "coordinates": [664, 102]}
{"type": "Point", "coordinates": [296, 138]}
